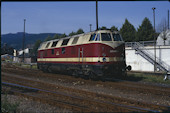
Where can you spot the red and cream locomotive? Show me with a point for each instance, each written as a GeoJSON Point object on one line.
{"type": "Point", "coordinates": [96, 54]}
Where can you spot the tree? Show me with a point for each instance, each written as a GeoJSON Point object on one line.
{"type": "Point", "coordinates": [103, 28]}
{"type": "Point", "coordinates": [162, 28]}
{"type": "Point", "coordinates": [48, 38]}
{"type": "Point", "coordinates": [56, 36]}
{"type": "Point", "coordinates": [80, 31]}
{"type": "Point", "coordinates": [113, 28]}
{"type": "Point", "coordinates": [72, 33]}
{"type": "Point", "coordinates": [128, 31]}
{"type": "Point", "coordinates": [63, 35]}
{"type": "Point", "coordinates": [5, 49]}
{"type": "Point", "coordinates": [35, 47]}
{"type": "Point", "coordinates": [145, 31]}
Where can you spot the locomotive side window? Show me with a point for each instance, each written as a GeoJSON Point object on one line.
{"type": "Point", "coordinates": [98, 37]}
{"type": "Point", "coordinates": [41, 54]}
{"type": "Point", "coordinates": [54, 44]}
{"type": "Point", "coordinates": [65, 41]}
{"type": "Point", "coordinates": [117, 37]}
{"type": "Point", "coordinates": [75, 40]}
{"type": "Point", "coordinates": [47, 45]}
{"type": "Point", "coordinates": [52, 51]}
{"type": "Point", "coordinates": [92, 37]}
{"type": "Point", "coordinates": [73, 50]}
{"type": "Point", "coordinates": [45, 52]}
{"type": "Point", "coordinates": [106, 37]}
{"type": "Point", "coordinates": [63, 50]}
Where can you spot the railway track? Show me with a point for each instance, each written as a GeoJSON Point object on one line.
{"type": "Point", "coordinates": [84, 94]}
{"type": "Point", "coordinates": [116, 84]}
{"type": "Point", "coordinates": [72, 102]}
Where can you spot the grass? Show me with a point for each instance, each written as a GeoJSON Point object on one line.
{"type": "Point", "coordinates": [148, 78]}
{"type": "Point", "coordinates": [7, 107]}
{"type": "Point", "coordinates": [26, 65]}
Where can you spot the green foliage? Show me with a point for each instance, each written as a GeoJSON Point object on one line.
{"type": "Point", "coordinates": [56, 36]}
{"type": "Point", "coordinates": [7, 107]}
{"type": "Point", "coordinates": [63, 35]}
{"type": "Point", "coordinates": [149, 78]}
{"type": "Point", "coordinates": [128, 31]}
{"type": "Point", "coordinates": [35, 47]}
{"type": "Point", "coordinates": [72, 33]}
{"type": "Point", "coordinates": [103, 28]}
{"type": "Point", "coordinates": [145, 31]}
{"type": "Point", "coordinates": [113, 28]}
{"type": "Point", "coordinates": [48, 38]}
{"type": "Point", "coordinates": [80, 31]}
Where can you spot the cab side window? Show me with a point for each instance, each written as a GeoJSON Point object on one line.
{"type": "Point", "coordinates": [75, 40]}
{"type": "Point", "coordinates": [63, 50]}
{"type": "Point", "coordinates": [98, 37]}
{"type": "Point", "coordinates": [92, 37]}
{"type": "Point", "coordinates": [54, 44]}
{"type": "Point", "coordinates": [65, 41]}
{"type": "Point", "coordinates": [47, 45]}
{"type": "Point", "coordinates": [117, 37]}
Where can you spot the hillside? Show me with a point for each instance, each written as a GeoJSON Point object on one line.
{"type": "Point", "coordinates": [15, 39]}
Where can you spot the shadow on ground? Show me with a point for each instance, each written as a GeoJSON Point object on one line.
{"type": "Point", "coordinates": [131, 77]}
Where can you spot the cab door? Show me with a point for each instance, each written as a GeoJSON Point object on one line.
{"type": "Point", "coordinates": [81, 54]}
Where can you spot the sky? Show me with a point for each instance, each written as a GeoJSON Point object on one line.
{"type": "Point", "coordinates": [65, 17]}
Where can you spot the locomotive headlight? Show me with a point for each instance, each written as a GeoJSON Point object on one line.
{"type": "Point", "coordinates": [104, 59]}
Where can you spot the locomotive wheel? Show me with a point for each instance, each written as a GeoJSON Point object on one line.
{"type": "Point", "coordinates": [102, 79]}
{"type": "Point", "coordinates": [93, 76]}
{"type": "Point", "coordinates": [75, 74]}
{"type": "Point", "coordinates": [86, 77]}
{"type": "Point", "coordinates": [45, 70]}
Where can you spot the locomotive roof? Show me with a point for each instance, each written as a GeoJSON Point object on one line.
{"type": "Point", "coordinates": [97, 31]}
{"type": "Point", "coordinates": [79, 35]}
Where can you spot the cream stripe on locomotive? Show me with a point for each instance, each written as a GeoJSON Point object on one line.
{"type": "Point", "coordinates": [85, 59]}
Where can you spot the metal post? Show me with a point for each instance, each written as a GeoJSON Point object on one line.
{"type": "Point", "coordinates": [154, 39]}
{"type": "Point", "coordinates": [168, 19]}
{"type": "Point", "coordinates": [96, 16]}
{"type": "Point", "coordinates": [23, 41]}
{"type": "Point", "coordinates": [90, 27]}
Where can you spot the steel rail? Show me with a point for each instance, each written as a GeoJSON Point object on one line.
{"type": "Point", "coordinates": [109, 105]}
{"type": "Point", "coordinates": [87, 94]}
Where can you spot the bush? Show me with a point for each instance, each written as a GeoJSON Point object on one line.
{"type": "Point", "coordinates": [7, 107]}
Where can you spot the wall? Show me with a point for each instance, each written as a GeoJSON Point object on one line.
{"type": "Point", "coordinates": [139, 63]}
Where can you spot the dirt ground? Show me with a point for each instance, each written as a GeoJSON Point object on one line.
{"type": "Point", "coordinates": [27, 105]}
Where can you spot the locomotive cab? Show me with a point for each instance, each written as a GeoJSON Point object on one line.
{"type": "Point", "coordinates": [106, 35]}
{"type": "Point", "coordinates": [111, 53]}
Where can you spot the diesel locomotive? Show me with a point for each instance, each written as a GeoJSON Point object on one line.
{"type": "Point", "coordinates": [94, 55]}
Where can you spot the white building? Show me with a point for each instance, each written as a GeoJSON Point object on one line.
{"type": "Point", "coordinates": [18, 56]}
{"type": "Point", "coordinates": [139, 63]}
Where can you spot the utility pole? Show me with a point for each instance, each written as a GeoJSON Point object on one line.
{"type": "Point", "coordinates": [96, 16]}
{"type": "Point", "coordinates": [90, 27]}
{"type": "Point", "coordinates": [168, 19]}
{"type": "Point", "coordinates": [23, 41]}
{"type": "Point", "coordinates": [154, 39]}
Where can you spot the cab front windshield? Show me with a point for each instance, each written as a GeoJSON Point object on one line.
{"type": "Point", "coordinates": [106, 37]}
